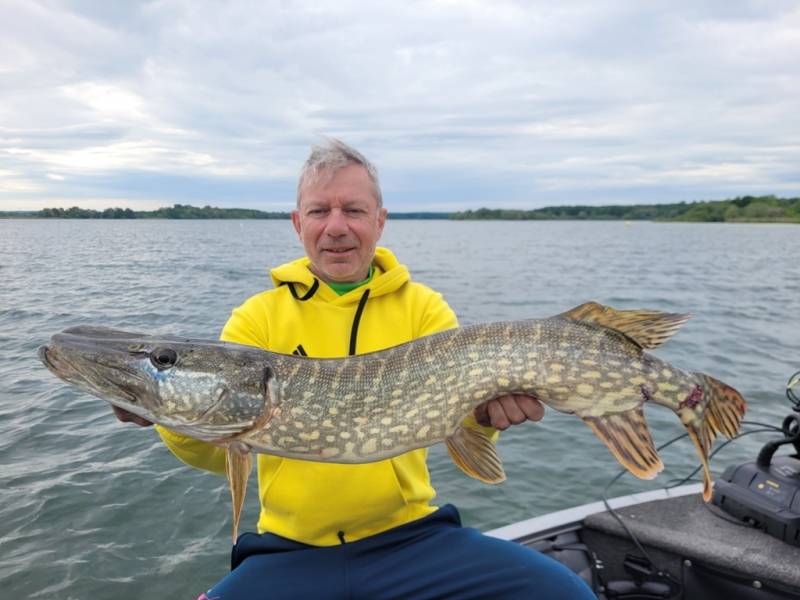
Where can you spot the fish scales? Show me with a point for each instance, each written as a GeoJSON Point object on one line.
{"type": "Point", "coordinates": [344, 391]}
{"type": "Point", "coordinates": [589, 361]}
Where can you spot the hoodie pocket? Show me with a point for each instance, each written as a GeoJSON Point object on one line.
{"type": "Point", "coordinates": [307, 500]}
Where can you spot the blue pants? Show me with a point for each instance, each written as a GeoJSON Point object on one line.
{"type": "Point", "coordinates": [433, 557]}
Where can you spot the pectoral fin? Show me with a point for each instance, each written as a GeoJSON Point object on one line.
{"type": "Point", "coordinates": [476, 455]}
{"type": "Point", "coordinates": [627, 436]}
{"type": "Point", "coordinates": [237, 468]}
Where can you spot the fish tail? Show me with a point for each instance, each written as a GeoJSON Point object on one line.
{"type": "Point", "coordinates": [712, 407]}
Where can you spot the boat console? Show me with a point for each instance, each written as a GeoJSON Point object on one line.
{"type": "Point", "coordinates": [766, 493]}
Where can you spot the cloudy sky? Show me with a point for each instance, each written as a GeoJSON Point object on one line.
{"type": "Point", "coordinates": [460, 103]}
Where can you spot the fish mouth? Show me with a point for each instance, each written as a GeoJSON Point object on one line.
{"type": "Point", "coordinates": [70, 372]}
{"type": "Point", "coordinates": [52, 362]}
{"type": "Point", "coordinates": [42, 352]}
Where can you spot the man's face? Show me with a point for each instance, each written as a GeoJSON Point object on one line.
{"type": "Point", "coordinates": [339, 224]}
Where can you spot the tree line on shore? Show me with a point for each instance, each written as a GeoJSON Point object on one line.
{"type": "Point", "coordinates": [739, 209]}
{"type": "Point", "coordinates": [177, 211]}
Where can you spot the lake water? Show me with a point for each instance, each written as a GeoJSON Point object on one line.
{"type": "Point", "coordinates": [91, 508]}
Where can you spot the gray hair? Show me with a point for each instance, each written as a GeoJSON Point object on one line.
{"type": "Point", "coordinates": [325, 161]}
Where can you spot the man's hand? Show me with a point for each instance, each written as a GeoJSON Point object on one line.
{"type": "Point", "coordinates": [128, 417]}
{"type": "Point", "coordinates": [505, 411]}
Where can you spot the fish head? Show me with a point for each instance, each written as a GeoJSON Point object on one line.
{"type": "Point", "coordinates": [207, 390]}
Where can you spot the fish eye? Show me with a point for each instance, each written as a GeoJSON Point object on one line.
{"type": "Point", "coordinates": [163, 358]}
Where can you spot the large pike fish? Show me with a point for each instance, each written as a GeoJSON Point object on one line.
{"type": "Point", "coordinates": [590, 361]}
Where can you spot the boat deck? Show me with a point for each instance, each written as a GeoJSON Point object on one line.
{"type": "Point", "coordinates": [686, 526]}
{"type": "Point", "coordinates": [707, 551]}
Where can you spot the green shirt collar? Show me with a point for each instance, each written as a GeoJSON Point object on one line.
{"type": "Point", "coordinates": [342, 288]}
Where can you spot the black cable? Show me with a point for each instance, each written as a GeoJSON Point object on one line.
{"type": "Point", "coordinates": [724, 517]}
{"type": "Point", "coordinates": [765, 429]}
{"type": "Point", "coordinates": [614, 512]}
{"type": "Point", "coordinates": [592, 558]}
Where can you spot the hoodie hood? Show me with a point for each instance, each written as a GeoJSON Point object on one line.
{"type": "Point", "coordinates": [389, 276]}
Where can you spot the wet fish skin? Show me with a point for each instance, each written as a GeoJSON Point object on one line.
{"type": "Point", "coordinates": [590, 361]}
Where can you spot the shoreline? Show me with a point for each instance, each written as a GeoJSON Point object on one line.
{"type": "Point", "coordinates": [742, 209]}
{"type": "Point", "coordinates": [403, 218]}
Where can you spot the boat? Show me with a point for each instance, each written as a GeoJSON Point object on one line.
{"type": "Point", "coordinates": [669, 544]}
{"type": "Point", "coordinates": [684, 549]}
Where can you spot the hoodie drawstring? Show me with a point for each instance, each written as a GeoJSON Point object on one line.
{"type": "Point", "coordinates": [311, 291]}
{"type": "Point", "coordinates": [356, 320]}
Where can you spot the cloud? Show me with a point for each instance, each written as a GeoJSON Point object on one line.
{"type": "Point", "coordinates": [459, 103]}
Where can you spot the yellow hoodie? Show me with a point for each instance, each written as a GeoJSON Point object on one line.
{"type": "Point", "coordinates": [323, 503]}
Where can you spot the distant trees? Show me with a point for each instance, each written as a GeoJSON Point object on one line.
{"type": "Point", "coordinates": [745, 209]}
{"type": "Point", "coordinates": [739, 209]}
{"type": "Point", "coordinates": [70, 213]}
{"type": "Point", "coordinates": [177, 211]}
{"type": "Point", "coordinates": [118, 213]}
{"type": "Point", "coordinates": [86, 213]}
{"type": "Point", "coordinates": [742, 209]}
{"type": "Point", "coordinates": [185, 211]}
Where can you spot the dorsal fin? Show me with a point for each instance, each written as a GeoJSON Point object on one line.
{"type": "Point", "coordinates": [648, 328]}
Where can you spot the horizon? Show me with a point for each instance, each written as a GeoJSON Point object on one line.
{"type": "Point", "coordinates": [459, 104]}
{"type": "Point", "coordinates": [402, 212]}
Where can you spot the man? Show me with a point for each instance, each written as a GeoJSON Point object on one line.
{"type": "Point", "coordinates": [360, 531]}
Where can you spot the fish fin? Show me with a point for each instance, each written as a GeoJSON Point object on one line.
{"type": "Point", "coordinates": [647, 328]}
{"type": "Point", "coordinates": [702, 442]}
{"type": "Point", "coordinates": [238, 465]}
{"type": "Point", "coordinates": [627, 436]}
{"type": "Point", "coordinates": [720, 410]}
{"type": "Point", "coordinates": [724, 407]}
{"type": "Point", "coordinates": [476, 455]}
